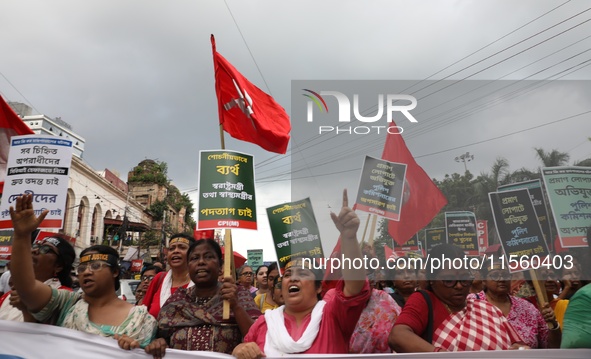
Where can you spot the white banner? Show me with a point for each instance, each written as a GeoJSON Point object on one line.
{"type": "Point", "coordinates": [34, 341]}
{"type": "Point", "coordinates": [38, 165]}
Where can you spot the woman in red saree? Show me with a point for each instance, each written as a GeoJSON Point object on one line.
{"type": "Point", "coordinates": [451, 322]}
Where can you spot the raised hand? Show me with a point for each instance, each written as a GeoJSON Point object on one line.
{"type": "Point", "coordinates": [347, 221]}
{"type": "Point", "coordinates": [23, 216]}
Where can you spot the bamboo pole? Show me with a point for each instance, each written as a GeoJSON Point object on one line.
{"type": "Point", "coordinates": [365, 231]}
{"type": "Point", "coordinates": [228, 267]}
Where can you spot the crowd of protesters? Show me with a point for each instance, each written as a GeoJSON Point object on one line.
{"type": "Point", "coordinates": [404, 311]}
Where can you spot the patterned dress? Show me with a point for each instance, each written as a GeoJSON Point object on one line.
{"type": "Point", "coordinates": [188, 322]}
{"type": "Point", "coordinates": [73, 314]}
{"type": "Point", "coordinates": [527, 320]}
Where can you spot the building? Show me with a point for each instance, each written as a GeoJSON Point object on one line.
{"type": "Point", "coordinates": [44, 125]}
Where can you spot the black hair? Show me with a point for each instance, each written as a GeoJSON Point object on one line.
{"type": "Point", "coordinates": [151, 267]}
{"type": "Point", "coordinates": [259, 268]}
{"type": "Point", "coordinates": [442, 251]}
{"type": "Point", "coordinates": [66, 258]}
{"type": "Point", "coordinates": [101, 249]}
{"type": "Point", "coordinates": [272, 266]}
{"type": "Point", "coordinates": [212, 244]}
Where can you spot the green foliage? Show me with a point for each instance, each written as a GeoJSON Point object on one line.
{"type": "Point", "coordinates": [149, 171]}
{"type": "Point", "coordinates": [157, 208]}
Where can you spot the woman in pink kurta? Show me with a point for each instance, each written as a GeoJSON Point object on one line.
{"type": "Point", "coordinates": [306, 324]}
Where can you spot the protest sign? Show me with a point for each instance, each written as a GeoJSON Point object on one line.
{"type": "Point", "coordinates": [434, 237]}
{"type": "Point", "coordinates": [518, 228]}
{"type": "Point", "coordinates": [381, 187]}
{"type": "Point", "coordinates": [295, 231]}
{"type": "Point", "coordinates": [254, 257]}
{"type": "Point", "coordinates": [482, 231]}
{"type": "Point", "coordinates": [569, 192]}
{"type": "Point", "coordinates": [460, 229]}
{"type": "Point", "coordinates": [539, 202]}
{"type": "Point", "coordinates": [38, 165]}
{"type": "Point", "coordinates": [226, 190]}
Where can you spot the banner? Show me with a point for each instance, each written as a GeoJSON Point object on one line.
{"type": "Point", "coordinates": [31, 340]}
{"type": "Point", "coordinates": [137, 265]}
{"type": "Point", "coordinates": [412, 245]}
{"type": "Point", "coordinates": [5, 243]}
{"type": "Point", "coordinates": [226, 190]}
{"type": "Point", "coordinates": [295, 231]}
{"type": "Point", "coordinates": [38, 165]}
{"type": "Point", "coordinates": [381, 187]}
{"type": "Point", "coordinates": [460, 230]}
{"type": "Point", "coordinates": [254, 257]}
{"type": "Point", "coordinates": [518, 228]}
{"type": "Point", "coordinates": [569, 192]}
{"type": "Point", "coordinates": [482, 232]}
{"type": "Point", "coordinates": [539, 202]}
{"type": "Point", "coordinates": [434, 237]}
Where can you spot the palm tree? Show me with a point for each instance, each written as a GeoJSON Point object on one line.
{"type": "Point", "coordinates": [489, 182]}
{"type": "Point", "coordinates": [553, 158]}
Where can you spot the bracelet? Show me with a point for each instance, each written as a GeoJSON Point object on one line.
{"type": "Point", "coordinates": [555, 326]}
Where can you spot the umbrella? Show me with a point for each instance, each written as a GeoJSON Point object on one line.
{"type": "Point", "coordinates": [239, 259]}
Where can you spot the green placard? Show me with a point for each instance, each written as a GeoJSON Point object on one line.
{"type": "Point", "coordinates": [226, 190]}
{"type": "Point", "coordinates": [255, 258]}
{"type": "Point", "coordinates": [295, 231]}
{"type": "Point", "coordinates": [569, 192]}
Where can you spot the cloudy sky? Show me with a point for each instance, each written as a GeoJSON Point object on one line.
{"type": "Point", "coordinates": [135, 79]}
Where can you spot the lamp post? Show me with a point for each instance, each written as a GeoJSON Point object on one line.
{"type": "Point", "coordinates": [465, 157]}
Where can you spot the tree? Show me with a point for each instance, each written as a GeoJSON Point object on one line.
{"type": "Point", "coordinates": [553, 158]}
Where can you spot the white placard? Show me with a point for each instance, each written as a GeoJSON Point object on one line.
{"type": "Point", "coordinates": [38, 165]}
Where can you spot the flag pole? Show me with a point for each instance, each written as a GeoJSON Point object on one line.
{"type": "Point", "coordinates": [228, 251]}
{"type": "Point", "coordinates": [365, 231]}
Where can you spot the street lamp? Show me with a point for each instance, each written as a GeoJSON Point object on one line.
{"type": "Point", "coordinates": [465, 157]}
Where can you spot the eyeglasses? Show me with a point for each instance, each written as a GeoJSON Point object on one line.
{"type": "Point", "coordinates": [94, 266]}
{"type": "Point", "coordinates": [147, 278]}
{"type": "Point", "coordinates": [450, 283]}
{"type": "Point", "coordinates": [498, 276]}
{"type": "Point", "coordinates": [247, 274]}
{"type": "Point", "coordinates": [44, 249]}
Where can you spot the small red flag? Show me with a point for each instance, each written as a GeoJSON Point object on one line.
{"type": "Point", "coordinates": [422, 199]}
{"type": "Point", "coordinates": [10, 125]}
{"type": "Point", "coordinates": [246, 112]}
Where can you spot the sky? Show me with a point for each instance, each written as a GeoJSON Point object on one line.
{"type": "Point", "coordinates": [135, 80]}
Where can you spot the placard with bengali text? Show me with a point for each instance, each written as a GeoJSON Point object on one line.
{"type": "Point", "coordinates": [226, 190]}
{"type": "Point", "coordinates": [38, 165]}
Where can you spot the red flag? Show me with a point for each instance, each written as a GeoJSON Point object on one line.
{"type": "Point", "coordinates": [246, 112]}
{"type": "Point", "coordinates": [422, 199]}
{"type": "Point", "coordinates": [203, 234]}
{"type": "Point", "coordinates": [10, 125]}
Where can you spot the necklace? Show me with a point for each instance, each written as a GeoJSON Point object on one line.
{"type": "Point", "coordinates": [202, 300]}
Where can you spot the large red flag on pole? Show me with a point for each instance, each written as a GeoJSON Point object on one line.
{"type": "Point", "coordinates": [422, 199]}
{"type": "Point", "coordinates": [10, 125]}
{"type": "Point", "coordinates": [246, 112]}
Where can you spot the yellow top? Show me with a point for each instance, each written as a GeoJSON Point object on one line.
{"type": "Point", "coordinates": [264, 306]}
